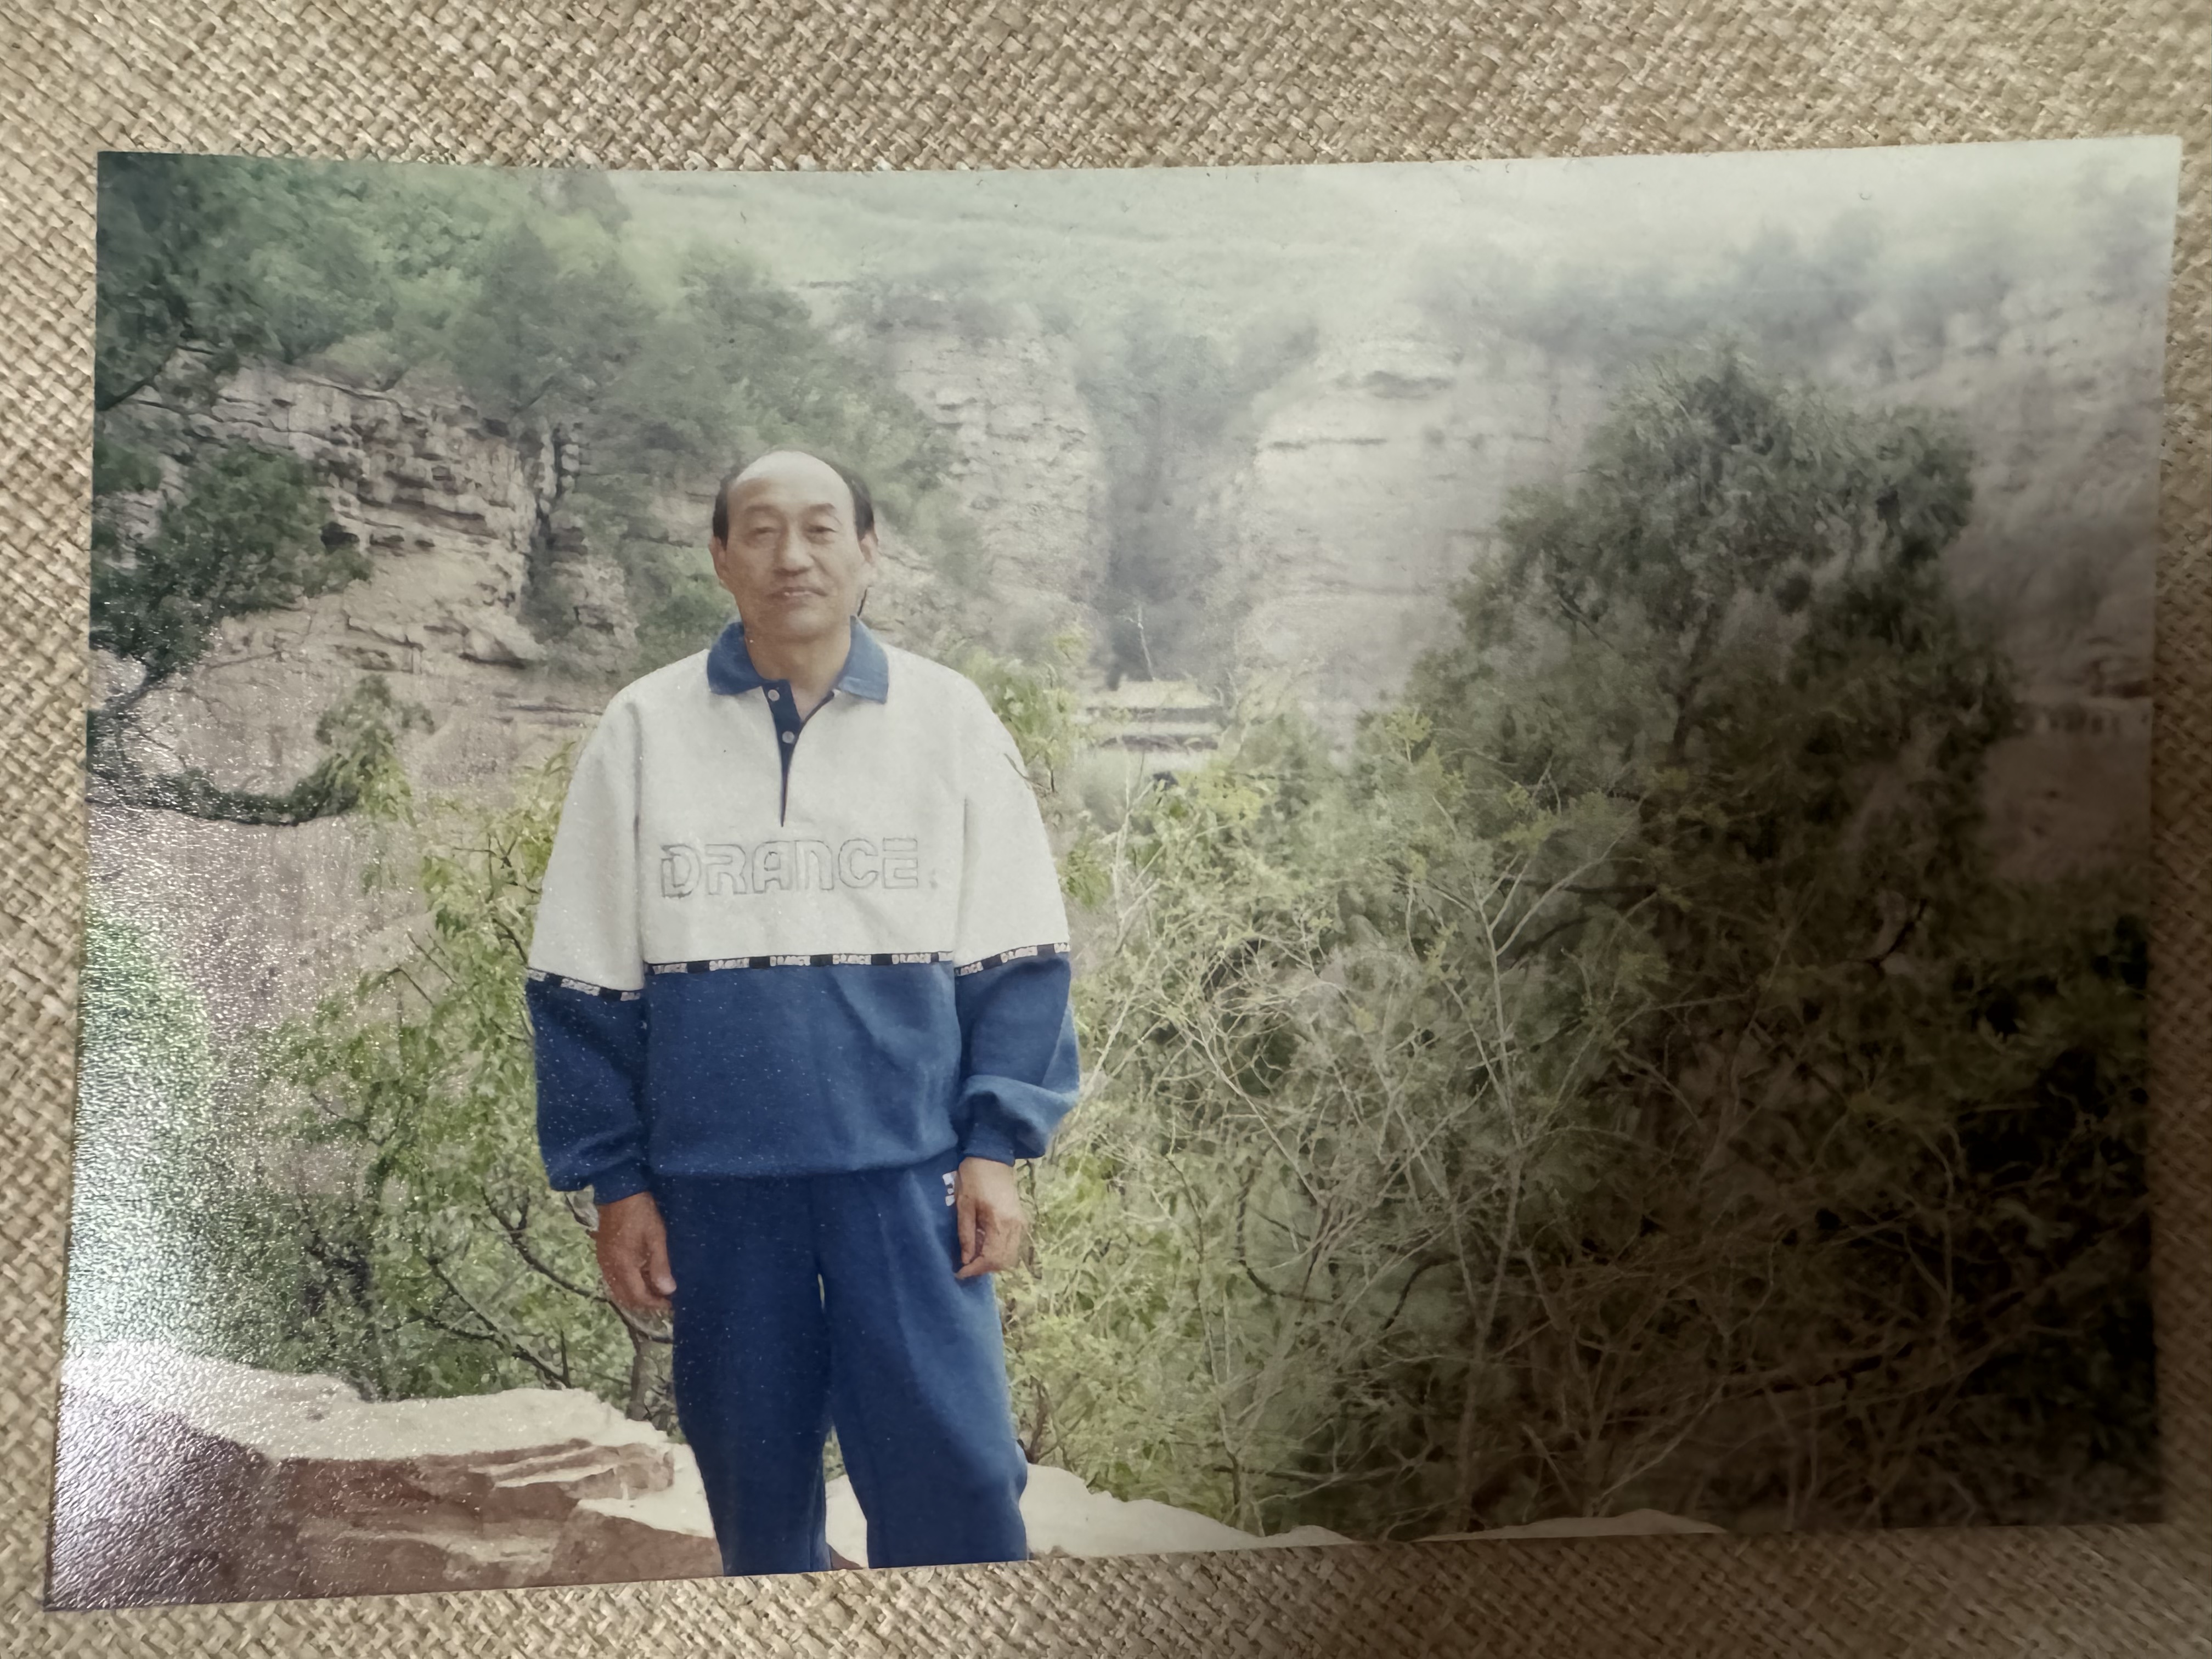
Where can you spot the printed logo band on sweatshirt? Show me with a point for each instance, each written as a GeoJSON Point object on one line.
{"type": "Point", "coordinates": [852, 959]}
{"type": "Point", "coordinates": [889, 864]}
{"type": "Point", "coordinates": [539, 977]}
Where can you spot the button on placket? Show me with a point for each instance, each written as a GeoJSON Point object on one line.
{"type": "Point", "coordinates": [784, 714]}
{"type": "Point", "coordinates": [781, 713]}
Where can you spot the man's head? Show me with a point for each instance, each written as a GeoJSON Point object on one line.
{"type": "Point", "coordinates": [794, 542]}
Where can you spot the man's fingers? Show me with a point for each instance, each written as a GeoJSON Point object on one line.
{"type": "Point", "coordinates": [998, 1242]}
{"type": "Point", "coordinates": [632, 1290]}
{"type": "Point", "coordinates": [975, 1238]}
{"type": "Point", "coordinates": [625, 1284]}
{"type": "Point", "coordinates": [633, 1262]}
{"type": "Point", "coordinates": [658, 1273]}
{"type": "Point", "coordinates": [1005, 1247]}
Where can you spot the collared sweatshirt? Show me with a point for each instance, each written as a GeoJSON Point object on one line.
{"type": "Point", "coordinates": [770, 946]}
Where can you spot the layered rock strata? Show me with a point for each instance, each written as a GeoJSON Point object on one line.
{"type": "Point", "coordinates": [186, 1479]}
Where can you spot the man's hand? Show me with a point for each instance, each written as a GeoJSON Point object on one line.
{"type": "Point", "coordinates": [992, 1224]}
{"type": "Point", "coordinates": [633, 1249]}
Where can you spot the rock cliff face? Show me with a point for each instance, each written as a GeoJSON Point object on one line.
{"type": "Point", "coordinates": [446, 504]}
{"type": "Point", "coordinates": [1028, 473]}
{"type": "Point", "coordinates": [1378, 473]}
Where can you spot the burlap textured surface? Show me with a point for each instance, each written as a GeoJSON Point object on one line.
{"type": "Point", "coordinates": [864, 84]}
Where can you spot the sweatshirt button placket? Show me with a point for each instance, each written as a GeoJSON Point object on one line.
{"type": "Point", "coordinates": [788, 720]}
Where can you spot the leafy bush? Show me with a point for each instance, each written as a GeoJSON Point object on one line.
{"type": "Point", "coordinates": [446, 1265]}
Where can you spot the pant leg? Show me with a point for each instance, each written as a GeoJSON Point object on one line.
{"type": "Point", "coordinates": [917, 1372]}
{"type": "Point", "coordinates": [750, 1364]}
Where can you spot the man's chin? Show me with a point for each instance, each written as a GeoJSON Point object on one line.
{"type": "Point", "coordinates": [799, 625]}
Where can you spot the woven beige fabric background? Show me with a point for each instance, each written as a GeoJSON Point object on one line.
{"type": "Point", "coordinates": [863, 83]}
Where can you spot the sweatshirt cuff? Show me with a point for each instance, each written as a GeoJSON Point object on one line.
{"type": "Point", "coordinates": [624, 1181]}
{"type": "Point", "coordinates": [994, 1147]}
{"type": "Point", "coordinates": [1009, 1120]}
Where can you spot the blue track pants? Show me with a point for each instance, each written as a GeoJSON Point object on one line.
{"type": "Point", "coordinates": [822, 1299]}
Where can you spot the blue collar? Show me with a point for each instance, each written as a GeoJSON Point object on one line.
{"type": "Point", "coordinates": [866, 672]}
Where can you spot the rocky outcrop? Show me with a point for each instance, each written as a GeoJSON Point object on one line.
{"type": "Point", "coordinates": [445, 503]}
{"type": "Point", "coordinates": [1373, 488]}
{"type": "Point", "coordinates": [449, 504]}
{"type": "Point", "coordinates": [184, 1479]}
{"type": "Point", "coordinates": [1028, 472]}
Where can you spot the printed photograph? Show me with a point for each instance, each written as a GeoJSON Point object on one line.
{"type": "Point", "coordinates": [799, 871]}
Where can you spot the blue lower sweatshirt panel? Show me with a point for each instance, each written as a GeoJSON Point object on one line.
{"type": "Point", "coordinates": [810, 1067]}
{"type": "Point", "coordinates": [832, 1298]}
{"type": "Point", "coordinates": [801, 1071]}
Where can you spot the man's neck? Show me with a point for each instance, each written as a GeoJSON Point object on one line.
{"type": "Point", "coordinates": [809, 666]}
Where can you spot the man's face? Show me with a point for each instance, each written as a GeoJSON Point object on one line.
{"type": "Point", "coordinates": [791, 560]}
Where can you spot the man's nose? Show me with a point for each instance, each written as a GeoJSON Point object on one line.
{"type": "Point", "coordinates": [791, 551]}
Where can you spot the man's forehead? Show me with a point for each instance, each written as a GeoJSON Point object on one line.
{"type": "Point", "coordinates": [789, 476]}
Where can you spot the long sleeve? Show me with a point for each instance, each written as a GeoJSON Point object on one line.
{"type": "Point", "coordinates": [585, 990]}
{"type": "Point", "coordinates": [1018, 1058]}
{"type": "Point", "coordinates": [1018, 1062]}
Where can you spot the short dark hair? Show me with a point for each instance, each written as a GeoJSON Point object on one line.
{"type": "Point", "coordinates": [863, 506]}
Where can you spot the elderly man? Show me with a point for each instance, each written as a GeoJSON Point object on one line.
{"type": "Point", "coordinates": [799, 996]}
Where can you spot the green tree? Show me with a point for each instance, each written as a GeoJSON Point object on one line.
{"type": "Point", "coordinates": [1331, 1099]}
{"type": "Point", "coordinates": [1737, 617]}
{"type": "Point", "coordinates": [445, 1264]}
{"type": "Point", "coordinates": [216, 259]}
{"type": "Point", "coordinates": [541, 333]}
